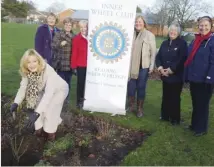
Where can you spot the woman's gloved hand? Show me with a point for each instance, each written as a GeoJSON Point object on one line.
{"type": "Point", "coordinates": [32, 116]}
{"type": "Point", "coordinates": [13, 107]}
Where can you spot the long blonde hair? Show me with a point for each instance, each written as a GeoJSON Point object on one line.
{"type": "Point", "coordinates": [142, 18]}
{"type": "Point", "coordinates": [24, 60]}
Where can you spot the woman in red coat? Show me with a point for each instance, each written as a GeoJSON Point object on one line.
{"type": "Point", "coordinates": [79, 60]}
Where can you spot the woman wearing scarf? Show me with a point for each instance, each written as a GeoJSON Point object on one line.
{"type": "Point", "coordinates": [142, 64]}
{"type": "Point", "coordinates": [44, 36]}
{"type": "Point", "coordinates": [44, 92]}
{"type": "Point", "coordinates": [200, 73]}
{"type": "Point", "coordinates": [170, 63]}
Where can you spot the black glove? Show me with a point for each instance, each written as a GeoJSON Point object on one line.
{"type": "Point", "coordinates": [74, 71]}
{"type": "Point", "coordinates": [32, 116]}
{"type": "Point", "coordinates": [13, 107]}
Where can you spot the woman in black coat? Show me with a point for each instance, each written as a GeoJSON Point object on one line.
{"type": "Point", "coordinates": [170, 63]}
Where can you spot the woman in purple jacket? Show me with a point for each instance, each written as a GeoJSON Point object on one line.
{"type": "Point", "coordinates": [44, 36]}
{"type": "Point", "coordinates": [200, 73]}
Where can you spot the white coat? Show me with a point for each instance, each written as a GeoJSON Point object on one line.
{"type": "Point", "coordinates": [51, 99]}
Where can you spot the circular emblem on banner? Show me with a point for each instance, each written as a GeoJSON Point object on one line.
{"type": "Point", "coordinates": [109, 42]}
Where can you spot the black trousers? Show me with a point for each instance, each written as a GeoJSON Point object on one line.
{"type": "Point", "coordinates": [66, 75]}
{"type": "Point", "coordinates": [171, 102]}
{"type": "Point", "coordinates": [201, 94]}
{"type": "Point", "coordinates": [81, 75]}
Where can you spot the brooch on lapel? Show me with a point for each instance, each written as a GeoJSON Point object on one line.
{"type": "Point", "coordinates": [175, 48]}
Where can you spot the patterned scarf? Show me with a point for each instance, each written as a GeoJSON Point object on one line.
{"type": "Point", "coordinates": [33, 88]}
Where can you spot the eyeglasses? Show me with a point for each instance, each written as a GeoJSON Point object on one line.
{"type": "Point", "coordinates": [68, 25]}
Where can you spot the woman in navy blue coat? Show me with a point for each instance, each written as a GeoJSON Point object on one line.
{"type": "Point", "coordinates": [44, 36]}
{"type": "Point", "coordinates": [200, 73]}
{"type": "Point", "coordinates": [170, 62]}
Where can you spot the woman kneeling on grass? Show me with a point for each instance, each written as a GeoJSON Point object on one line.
{"type": "Point", "coordinates": [44, 91]}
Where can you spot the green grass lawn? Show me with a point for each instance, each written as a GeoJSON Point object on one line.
{"type": "Point", "coordinates": [167, 145]}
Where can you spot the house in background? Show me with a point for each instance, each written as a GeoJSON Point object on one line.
{"type": "Point", "coordinates": [36, 16]}
{"type": "Point", "coordinates": [192, 26]}
{"type": "Point", "coordinates": [33, 17]}
{"type": "Point", "coordinates": [79, 15]}
{"type": "Point", "coordinates": [64, 14]}
{"type": "Point", "coordinates": [152, 26]}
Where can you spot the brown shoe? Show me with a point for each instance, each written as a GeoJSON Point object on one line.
{"type": "Point", "coordinates": [51, 136]}
{"type": "Point", "coordinates": [140, 108]}
{"type": "Point", "coordinates": [40, 133]}
{"type": "Point", "coordinates": [131, 100]}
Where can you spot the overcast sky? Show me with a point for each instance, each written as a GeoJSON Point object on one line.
{"type": "Point", "coordinates": [84, 4]}
{"type": "Point", "coordinates": [78, 4]}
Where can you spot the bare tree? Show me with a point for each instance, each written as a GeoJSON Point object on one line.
{"type": "Point", "coordinates": [181, 11]}
{"type": "Point", "coordinates": [160, 14]}
{"type": "Point", "coordinates": [56, 7]}
{"type": "Point", "coordinates": [186, 10]}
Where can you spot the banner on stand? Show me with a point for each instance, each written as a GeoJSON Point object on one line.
{"type": "Point", "coordinates": [110, 34]}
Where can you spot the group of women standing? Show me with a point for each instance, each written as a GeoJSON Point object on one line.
{"type": "Point", "coordinates": [46, 75]}
{"type": "Point", "coordinates": [176, 63]}
{"type": "Point", "coordinates": [66, 53]}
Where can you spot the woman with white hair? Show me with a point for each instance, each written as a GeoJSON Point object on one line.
{"type": "Point", "coordinates": [79, 60]}
{"type": "Point", "coordinates": [170, 63]}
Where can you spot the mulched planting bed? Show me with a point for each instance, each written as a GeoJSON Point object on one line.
{"type": "Point", "coordinates": [82, 139]}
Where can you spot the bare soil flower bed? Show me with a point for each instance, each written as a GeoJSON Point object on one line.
{"type": "Point", "coordinates": [82, 139]}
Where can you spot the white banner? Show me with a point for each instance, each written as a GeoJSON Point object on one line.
{"type": "Point", "coordinates": [111, 28]}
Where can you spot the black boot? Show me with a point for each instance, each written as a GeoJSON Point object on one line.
{"type": "Point", "coordinates": [80, 104]}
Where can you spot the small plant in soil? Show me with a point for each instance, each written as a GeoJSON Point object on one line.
{"type": "Point", "coordinates": [85, 141]}
{"type": "Point", "coordinates": [119, 144]}
{"type": "Point", "coordinates": [43, 163]}
{"type": "Point", "coordinates": [18, 148]}
{"type": "Point", "coordinates": [17, 142]}
{"type": "Point", "coordinates": [105, 129]}
{"type": "Point", "coordinates": [59, 145]}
